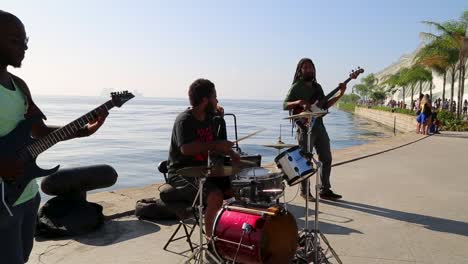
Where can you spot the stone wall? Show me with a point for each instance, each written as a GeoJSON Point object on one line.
{"type": "Point", "coordinates": [402, 122]}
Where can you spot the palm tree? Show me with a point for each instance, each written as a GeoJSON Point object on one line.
{"type": "Point", "coordinates": [396, 81]}
{"type": "Point", "coordinates": [419, 75]}
{"type": "Point", "coordinates": [437, 56]}
{"type": "Point", "coordinates": [456, 33]}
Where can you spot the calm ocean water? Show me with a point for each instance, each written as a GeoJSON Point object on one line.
{"type": "Point", "coordinates": [135, 138]}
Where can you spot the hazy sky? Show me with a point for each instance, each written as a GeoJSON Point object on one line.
{"type": "Point", "coordinates": [249, 49]}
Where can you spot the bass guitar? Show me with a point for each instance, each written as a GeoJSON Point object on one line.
{"type": "Point", "coordinates": [20, 146]}
{"type": "Point", "coordinates": [324, 101]}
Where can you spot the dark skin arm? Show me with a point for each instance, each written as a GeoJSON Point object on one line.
{"type": "Point", "coordinates": [10, 167]}
{"type": "Point", "coordinates": [220, 146]}
{"type": "Point", "coordinates": [292, 104]}
{"type": "Point", "coordinates": [334, 100]}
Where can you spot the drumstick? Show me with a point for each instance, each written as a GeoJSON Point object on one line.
{"type": "Point", "coordinates": [250, 135]}
{"type": "Point", "coordinates": [249, 210]}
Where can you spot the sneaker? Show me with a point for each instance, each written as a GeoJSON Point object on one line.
{"type": "Point", "coordinates": [310, 197]}
{"type": "Point", "coordinates": [329, 195]}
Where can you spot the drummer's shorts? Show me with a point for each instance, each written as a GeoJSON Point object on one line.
{"type": "Point", "coordinates": [222, 184]}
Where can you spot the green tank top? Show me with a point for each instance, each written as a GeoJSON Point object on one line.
{"type": "Point", "coordinates": [13, 107]}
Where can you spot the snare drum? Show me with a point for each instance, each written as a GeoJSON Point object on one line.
{"type": "Point", "coordinates": [295, 166]}
{"type": "Point", "coordinates": [265, 235]}
{"type": "Point", "coordinates": [258, 185]}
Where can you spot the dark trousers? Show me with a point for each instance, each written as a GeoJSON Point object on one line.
{"type": "Point", "coordinates": [17, 232]}
{"type": "Point", "coordinates": [179, 193]}
{"type": "Point", "coordinates": [320, 140]}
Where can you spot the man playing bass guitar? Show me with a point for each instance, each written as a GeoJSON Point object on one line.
{"type": "Point", "coordinates": [18, 220]}
{"type": "Point", "coordinates": [304, 92]}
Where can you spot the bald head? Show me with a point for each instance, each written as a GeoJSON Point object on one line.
{"type": "Point", "coordinates": [7, 19]}
{"type": "Point", "coordinates": [13, 40]}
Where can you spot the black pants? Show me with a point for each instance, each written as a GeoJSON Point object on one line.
{"type": "Point", "coordinates": [320, 140]}
{"type": "Point", "coordinates": [17, 232]}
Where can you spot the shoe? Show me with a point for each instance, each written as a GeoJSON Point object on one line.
{"type": "Point", "coordinates": [329, 195]}
{"type": "Point", "coordinates": [310, 197]}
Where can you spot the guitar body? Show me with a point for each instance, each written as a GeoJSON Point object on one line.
{"type": "Point", "coordinates": [9, 146]}
{"type": "Point", "coordinates": [300, 122]}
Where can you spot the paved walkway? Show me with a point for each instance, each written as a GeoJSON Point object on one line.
{"type": "Point", "coordinates": [406, 205]}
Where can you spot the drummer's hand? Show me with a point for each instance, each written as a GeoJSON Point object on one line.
{"type": "Point", "coordinates": [235, 157]}
{"type": "Point", "coordinates": [223, 146]}
{"type": "Point", "coordinates": [219, 110]}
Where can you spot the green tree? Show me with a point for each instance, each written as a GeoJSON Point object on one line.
{"type": "Point", "coordinates": [455, 32]}
{"type": "Point", "coordinates": [417, 74]}
{"type": "Point", "coordinates": [438, 56]}
{"type": "Point", "coordinates": [368, 86]}
{"type": "Point", "coordinates": [396, 81]}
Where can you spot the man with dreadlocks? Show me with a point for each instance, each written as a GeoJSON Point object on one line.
{"type": "Point", "coordinates": [304, 92]}
{"type": "Point", "coordinates": [17, 224]}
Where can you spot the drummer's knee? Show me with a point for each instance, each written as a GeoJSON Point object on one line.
{"type": "Point", "coordinates": [215, 199]}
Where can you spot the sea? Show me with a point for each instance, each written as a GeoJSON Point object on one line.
{"type": "Point", "coordinates": [136, 136]}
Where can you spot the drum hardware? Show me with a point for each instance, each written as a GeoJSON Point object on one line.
{"type": "Point", "coordinates": [251, 247]}
{"type": "Point", "coordinates": [270, 234]}
{"type": "Point", "coordinates": [246, 229]}
{"type": "Point", "coordinates": [199, 254]}
{"type": "Point", "coordinates": [258, 186]}
{"type": "Point", "coordinates": [295, 170]}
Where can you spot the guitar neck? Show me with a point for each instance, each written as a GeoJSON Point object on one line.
{"type": "Point", "coordinates": [331, 94]}
{"type": "Point", "coordinates": [67, 131]}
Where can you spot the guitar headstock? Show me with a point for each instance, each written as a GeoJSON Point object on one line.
{"type": "Point", "coordinates": [355, 73]}
{"type": "Point", "coordinates": [120, 98]}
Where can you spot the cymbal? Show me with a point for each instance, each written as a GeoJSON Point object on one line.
{"type": "Point", "coordinates": [201, 171]}
{"type": "Point", "coordinates": [279, 145]}
{"type": "Point", "coordinates": [306, 114]}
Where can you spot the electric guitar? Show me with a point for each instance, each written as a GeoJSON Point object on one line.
{"type": "Point", "coordinates": [19, 145]}
{"type": "Point", "coordinates": [324, 101]}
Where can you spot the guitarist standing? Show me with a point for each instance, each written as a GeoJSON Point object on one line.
{"type": "Point", "coordinates": [17, 223]}
{"type": "Point", "coordinates": [304, 92]}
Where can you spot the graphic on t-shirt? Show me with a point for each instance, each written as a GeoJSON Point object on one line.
{"type": "Point", "coordinates": [204, 135]}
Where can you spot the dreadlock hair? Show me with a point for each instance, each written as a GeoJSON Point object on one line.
{"type": "Point", "coordinates": [199, 89]}
{"type": "Point", "coordinates": [298, 74]}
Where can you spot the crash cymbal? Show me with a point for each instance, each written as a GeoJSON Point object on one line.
{"type": "Point", "coordinates": [279, 145]}
{"type": "Point", "coordinates": [201, 171]}
{"type": "Point", "coordinates": [306, 114]}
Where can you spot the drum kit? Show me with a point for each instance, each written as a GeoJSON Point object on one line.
{"type": "Point", "coordinates": [256, 228]}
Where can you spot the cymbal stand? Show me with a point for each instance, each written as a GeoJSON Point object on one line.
{"type": "Point", "coordinates": [199, 254]}
{"type": "Point", "coordinates": [319, 256]}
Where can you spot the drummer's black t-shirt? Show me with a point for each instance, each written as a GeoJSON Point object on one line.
{"type": "Point", "coordinates": [188, 129]}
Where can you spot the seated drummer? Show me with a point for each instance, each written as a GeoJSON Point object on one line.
{"type": "Point", "coordinates": [196, 131]}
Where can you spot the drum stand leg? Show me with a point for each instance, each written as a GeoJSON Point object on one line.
{"type": "Point", "coordinates": [311, 238]}
{"type": "Point", "coordinates": [199, 254]}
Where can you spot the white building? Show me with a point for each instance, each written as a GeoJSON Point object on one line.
{"type": "Point", "coordinates": [437, 82]}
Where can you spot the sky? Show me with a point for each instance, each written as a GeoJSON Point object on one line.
{"type": "Point", "coordinates": [249, 49]}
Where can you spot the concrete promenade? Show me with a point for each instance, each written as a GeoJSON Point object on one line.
{"type": "Point", "coordinates": [406, 204]}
